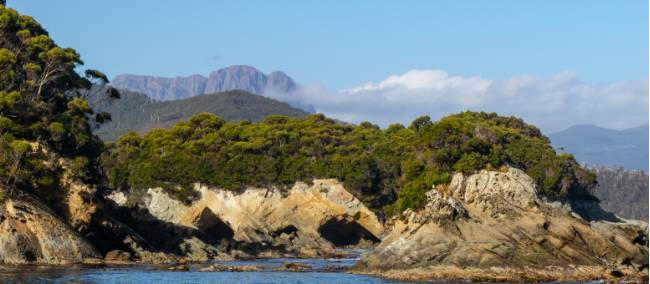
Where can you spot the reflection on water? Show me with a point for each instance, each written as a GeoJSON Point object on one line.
{"type": "Point", "coordinates": [151, 274]}
{"type": "Point", "coordinates": [144, 275]}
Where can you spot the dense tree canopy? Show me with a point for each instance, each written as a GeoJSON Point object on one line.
{"type": "Point", "coordinates": [40, 105]}
{"type": "Point", "coordinates": [388, 168]}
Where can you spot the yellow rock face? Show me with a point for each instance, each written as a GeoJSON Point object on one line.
{"type": "Point", "coordinates": [304, 218]}
{"type": "Point", "coordinates": [30, 233]}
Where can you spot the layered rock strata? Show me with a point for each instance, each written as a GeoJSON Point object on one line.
{"type": "Point", "coordinates": [304, 221]}
{"type": "Point", "coordinates": [494, 221]}
{"type": "Point", "coordinates": [31, 233]}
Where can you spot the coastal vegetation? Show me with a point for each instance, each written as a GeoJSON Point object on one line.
{"type": "Point", "coordinates": [389, 169]}
{"type": "Point", "coordinates": [67, 197]}
{"type": "Point", "coordinates": [41, 106]}
{"type": "Point", "coordinates": [42, 103]}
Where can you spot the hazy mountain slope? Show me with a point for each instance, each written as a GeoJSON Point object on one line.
{"type": "Point", "coordinates": [623, 192]}
{"type": "Point", "coordinates": [160, 88]}
{"type": "Point", "coordinates": [237, 77]}
{"type": "Point", "coordinates": [601, 146]}
{"type": "Point", "coordinates": [137, 112]}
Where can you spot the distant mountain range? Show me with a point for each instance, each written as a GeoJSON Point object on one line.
{"type": "Point", "coordinates": [137, 112]}
{"type": "Point", "coordinates": [237, 77]}
{"type": "Point", "coordinates": [595, 145]}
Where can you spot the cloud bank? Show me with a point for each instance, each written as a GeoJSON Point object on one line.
{"type": "Point", "coordinates": [551, 103]}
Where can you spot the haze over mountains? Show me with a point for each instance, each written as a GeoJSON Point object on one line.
{"type": "Point", "coordinates": [596, 145]}
{"type": "Point", "coordinates": [237, 77]}
{"type": "Point", "coordinates": [137, 112]}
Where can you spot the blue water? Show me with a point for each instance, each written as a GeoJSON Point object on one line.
{"type": "Point", "coordinates": [144, 275]}
{"type": "Point", "coordinates": [323, 271]}
{"type": "Point", "coordinates": [320, 273]}
{"type": "Point", "coordinates": [148, 274]}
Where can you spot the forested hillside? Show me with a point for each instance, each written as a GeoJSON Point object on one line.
{"type": "Point", "coordinates": [624, 192]}
{"type": "Point", "coordinates": [137, 112]}
{"type": "Point", "coordinates": [387, 168]}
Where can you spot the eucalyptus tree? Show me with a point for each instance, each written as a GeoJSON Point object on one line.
{"type": "Point", "coordinates": [42, 106]}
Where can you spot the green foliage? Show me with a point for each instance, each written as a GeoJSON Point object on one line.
{"type": "Point", "coordinates": [390, 169]}
{"type": "Point", "coordinates": [421, 122]}
{"type": "Point", "coordinates": [96, 75]}
{"type": "Point", "coordinates": [41, 119]}
{"type": "Point", "coordinates": [137, 112]}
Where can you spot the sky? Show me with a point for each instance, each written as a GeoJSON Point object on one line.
{"type": "Point", "coordinates": [555, 63]}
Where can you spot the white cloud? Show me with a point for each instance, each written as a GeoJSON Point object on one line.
{"type": "Point", "coordinates": [550, 103]}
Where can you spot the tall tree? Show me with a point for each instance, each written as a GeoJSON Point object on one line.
{"type": "Point", "coordinates": [42, 107]}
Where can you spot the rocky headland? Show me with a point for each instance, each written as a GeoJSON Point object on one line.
{"type": "Point", "coordinates": [492, 226]}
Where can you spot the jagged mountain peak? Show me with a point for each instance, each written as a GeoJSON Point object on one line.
{"type": "Point", "coordinates": [235, 77]}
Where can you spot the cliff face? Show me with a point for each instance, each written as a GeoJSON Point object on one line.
{"type": "Point", "coordinates": [237, 77]}
{"type": "Point", "coordinates": [31, 233]}
{"type": "Point", "coordinates": [306, 221]}
{"type": "Point", "coordinates": [494, 219]}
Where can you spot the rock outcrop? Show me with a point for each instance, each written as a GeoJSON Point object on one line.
{"type": "Point", "coordinates": [305, 221]}
{"type": "Point", "coordinates": [494, 221]}
{"type": "Point", "coordinates": [31, 233]}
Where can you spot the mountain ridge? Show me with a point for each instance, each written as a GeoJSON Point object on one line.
{"type": "Point", "coordinates": [596, 145]}
{"type": "Point", "coordinates": [138, 112]}
{"type": "Point", "coordinates": [235, 77]}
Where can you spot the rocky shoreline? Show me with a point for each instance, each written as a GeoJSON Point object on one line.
{"type": "Point", "coordinates": [513, 274]}
{"type": "Point", "coordinates": [490, 226]}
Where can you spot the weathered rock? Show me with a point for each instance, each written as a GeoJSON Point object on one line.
{"type": "Point", "coordinates": [294, 267]}
{"type": "Point", "coordinates": [307, 221]}
{"type": "Point", "coordinates": [180, 267]}
{"type": "Point", "coordinates": [118, 255]}
{"type": "Point", "coordinates": [118, 197]}
{"type": "Point", "coordinates": [551, 274]}
{"type": "Point", "coordinates": [228, 268]}
{"type": "Point", "coordinates": [494, 219]}
{"type": "Point", "coordinates": [196, 250]}
{"type": "Point", "coordinates": [151, 240]}
{"type": "Point", "coordinates": [79, 204]}
{"type": "Point", "coordinates": [31, 233]}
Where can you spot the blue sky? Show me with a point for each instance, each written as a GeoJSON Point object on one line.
{"type": "Point", "coordinates": [345, 43]}
{"type": "Point", "coordinates": [554, 63]}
